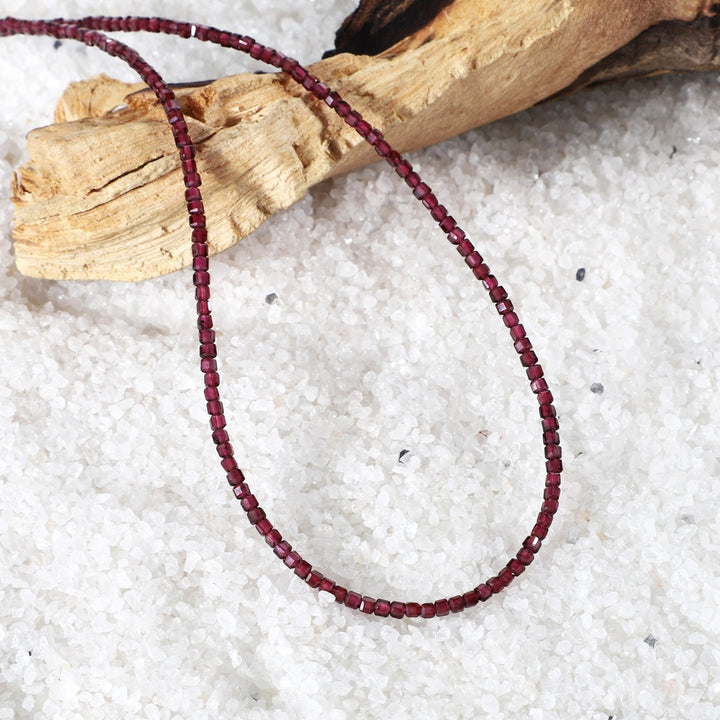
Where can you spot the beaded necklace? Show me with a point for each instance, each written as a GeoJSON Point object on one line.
{"type": "Point", "coordinates": [90, 31]}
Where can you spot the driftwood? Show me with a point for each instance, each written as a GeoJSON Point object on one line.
{"type": "Point", "coordinates": [100, 195]}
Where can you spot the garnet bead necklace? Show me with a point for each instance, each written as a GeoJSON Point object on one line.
{"type": "Point", "coordinates": [90, 31]}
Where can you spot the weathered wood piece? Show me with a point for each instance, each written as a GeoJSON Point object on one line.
{"type": "Point", "coordinates": [99, 197]}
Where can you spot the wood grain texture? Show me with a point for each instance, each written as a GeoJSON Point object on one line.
{"type": "Point", "coordinates": [100, 196]}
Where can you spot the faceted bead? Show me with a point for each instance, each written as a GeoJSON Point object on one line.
{"type": "Point", "coordinates": [438, 212]}
{"type": "Point", "coordinates": [373, 137]}
{"type": "Point", "coordinates": [212, 379]}
{"type": "Point", "coordinates": [202, 292]}
{"type": "Point", "coordinates": [382, 148]}
{"type": "Point", "coordinates": [544, 520]}
{"type": "Point", "coordinates": [484, 591]}
{"type": "Point", "coordinates": [303, 569]}
{"type": "Point", "coordinates": [413, 609]}
{"type": "Point", "coordinates": [368, 605]}
{"type": "Point", "coordinates": [256, 515]}
{"type": "Point", "coordinates": [208, 365]}
{"type": "Point", "coordinates": [394, 158]}
{"type": "Point", "coordinates": [448, 223]}
{"type": "Point", "coordinates": [550, 423]}
{"type": "Point", "coordinates": [490, 282]}
{"type": "Point", "coordinates": [217, 422]}
{"type": "Point", "coordinates": [550, 507]}
{"type": "Point", "coordinates": [193, 180]}
{"type": "Point", "coordinates": [554, 466]}
{"type": "Point", "coordinates": [421, 191]}
{"type": "Point", "coordinates": [532, 542]}
{"type": "Point", "coordinates": [292, 558]}
{"type": "Point", "coordinates": [498, 293]}
{"type": "Point", "coordinates": [515, 567]}
{"type": "Point", "coordinates": [537, 386]}
{"type": "Point", "coordinates": [224, 450]}
{"type": "Point", "coordinates": [249, 502]}
{"type": "Point", "coordinates": [522, 345]}
{"type": "Point", "coordinates": [314, 578]}
{"type": "Point", "coordinates": [455, 235]}
{"type": "Point", "coordinates": [496, 585]}
{"type": "Point", "coordinates": [552, 480]}
{"type": "Point", "coordinates": [473, 259]}
{"type": "Point", "coordinates": [465, 248]}
{"type": "Point", "coordinates": [215, 407]}
{"type": "Point", "coordinates": [545, 397]}
{"type": "Point", "coordinates": [456, 603]}
{"type": "Point", "coordinates": [442, 607]}
{"type": "Point", "coordinates": [471, 598]}
{"type": "Point", "coordinates": [241, 490]}
{"type": "Point", "coordinates": [481, 271]}
{"type": "Point", "coordinates": [264, 527]}
{"type": "Point", "coordinates": [528, 358]}
{"type": "Point", "coordinates": [504, 306]}
{"type": "Point", "coordinates": [208, 350]}
{"type": "Point", "coordinates": [553, 452]}
{"type": "Point", "coordinates": [282, 549]}
{"type": "Point", "coordinates": [235, 477]}
{"type": "Point", "coordinates": [517, 332]}
{"type": "Point", "coordinates": [273, 537]}
{"type": "Point", "coordinates": [505, 576]}
{"type": "Point", "coordinates": [398, 610]}
{"type": "Point", "coordinates": [352, 118]}
{"type": "Point", "coordinates": [412, 180]}
{"type": "Point", "coordinates": [382, 608]}
{"type": "Point", "coordinates": [206, 336]}
{"type": "Point", "coordinates": [342, 108]}
{"type": "Point", "coordinates": [431, 202]}
{"type": "Point", "coordinates": [525, 556]}
{"type": "Point", "coordinates": [551, 438]}
{"type": "Point", "coordinates": [353, 600]}
{"type": "Point", "coordinates": [428, 610]}
{"type": "Point", "coordinates": [212, 394]}
{"type": "Point", "coordinates": [534, 372]}
{"type": "Point", "coordinates": [229, 463]}
{"type": "Point", "coordinates": [340, 593]}
{"type": "Point", "coordinates": [327, 585]}
{"type": "Point", "coordinates": [363, 128]}
{"type": "Point", "coordinates": [540, 532]}
{"type": "Point", "coordinates": [403, 169]}
{"type": "Point", "coordinates": [200, 263]}
{"type": "Point", "coordinates": [510, 319]}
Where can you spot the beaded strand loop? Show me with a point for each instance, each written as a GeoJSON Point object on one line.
{"type": "Point", "coordinates": [90, 30]}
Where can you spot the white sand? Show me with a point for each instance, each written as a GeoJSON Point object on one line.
{"type": "Point", "coordinates": [131, 585]}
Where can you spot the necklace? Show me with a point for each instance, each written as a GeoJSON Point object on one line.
{"type": "Point", "coordinates": [90, 31]}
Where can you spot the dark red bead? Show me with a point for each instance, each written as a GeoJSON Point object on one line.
{"type": "Point", "coordinates": [537, 386]}
{"type": "Point", "coordinates": [545, 397]}
{"type": "Point", "coordinates": [374, 137]}
{"type": "Point", "coordinates": [273, 537]}
{"type": "Point", "coordinates": [340, 593]}
{"type": "Point", "coordinates": [528, 358]}
{"type": "Point", "coordinates": [363, 127]}
{"type": "Point", "coordinates": [532, 542]}
{"type": "Point", "coordinates": [516, 567]}
{"type": "Point", "coordinates": [353, 600]}
{"type": "Point", "coordinates": [554, 466]}
{"type": "Point", "coordinates": [481, 271]}
{"type": "Point", "coordinates": [428, 610]}
{"type": "Point", "coordinates": [327, 585]}
{"type": "Point", "coordinates": [490, 282]}
{"type": "Point", "coordinates": [447, 224]}
{"type": "Point", "coordinates": [303, 569]}
{"type": "Point", "coordinates": [430, 202]}
{"type": "Point", "coordinates": [540, 531]}
{"type": "Point", "coordinates": [496, 585]}
{"type": "Point", "coordinates": [212, 379]}
{"type": "Point", "coordinates": [224, 450]}
{"type": "Point", "coordinates": [550, 507]}
{"type": "Point", "coordinates": [368, 605]}
{"type": "Point", "coordinates": [240, 490]}
{"type": "Point", "coordinates": [249, 502]}
{"type": "Point", "coordinates": [534, 372]}
{"type": "Point", "coordinates": [471, 598]}
{"type": "Point", "coordinates": [510, 319]}
{"type": "Point", "coordinates": [264, 527]}
{"type": "Point", "coordinates": [552, 452]}
{"type": "Point", "coordinates": [473, 259]}
{"type": "Point", "coordinates": [550, 423]}
{"type": "Point", "coordinates": [525, 556]}
{"type": "Point", "coordinates": [398, 610]}
{"type": "Point", "coordinates": [208, 350]}
{"type": "Point", "coordinates": [208, 365]}
{"type": "Point", "coordinates": [236, 477]}
{"type": "Point", "coordinates": [212, 393]}
{"type": "Point", "coordinates": [552, 480]}
{"type": "Point", "coordinates": [551, 437]}
{"type": "Point", "coordinates": [438, 212]}
{"type": "Point", "coordinates": [504, 306]}
{"type": "Point", "coordinates": [256, 515]}
{"type": "Point", "coordinates": [292, 559]}
{"type": "Point", "coordinates": [455, 235]}
{"type": "Point", "coordinates": [523, 345]}
{"type": "Point", "coordinates": [484, 591]}
{"type": "Point", "coordinates": [217, 422]}
{"type": "Point", "coordinates": [505, 576]}
{"type": "Point", "coordinates": [282, 549]}
{"type": "Point", "coordinates": [456, 603]}
{"type": "Point", "coordinates": [413, 609]}
{"type": "Point", "coordinates": [442, 607]}
{"type": "Point", "coordinates": [228, 463]}
{"type": "Point", "coordinates": [465, 248]}
{"type": "Point", "coordinates": [517, 332]}
{"type": "Point", "coordinates": [382, 608]}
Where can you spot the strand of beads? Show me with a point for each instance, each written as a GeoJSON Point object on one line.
{"type": "Point", "coordinates": [90, 30]}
